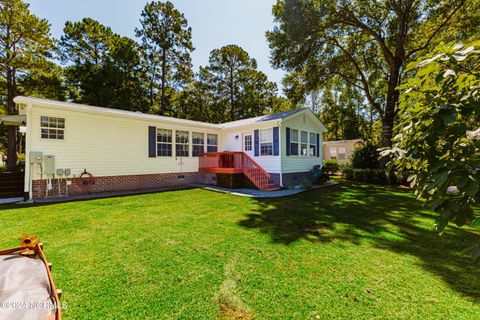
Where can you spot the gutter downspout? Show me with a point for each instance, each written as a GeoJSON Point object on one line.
{"type": "Point", "coordinates": [28, 167]}
{"type": "Point", "coordinates": [280, 145]}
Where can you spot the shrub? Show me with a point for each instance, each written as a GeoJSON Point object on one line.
{"type": "Point", "coordinates": [347, 172]}
{"type": "Point", "coordinates": [377, 176]}
{"type": "Point", "coordinates": [317, 175]}
{"type": "Point", "coordinates": [366, 157]}
{"type": "Point", "coordinates": [306, 183]}
{"type": "Point", "coordinates": [331, 167]}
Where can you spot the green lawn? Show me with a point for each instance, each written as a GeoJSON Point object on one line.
{"type": "Point", "coordinates": [351, 251]}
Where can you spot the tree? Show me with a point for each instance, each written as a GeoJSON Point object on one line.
{"type": "Point", "coordinates": [438, 137]}
{"type": "Point", "coordinates": [366, 43]}
{"type": "Point", "coordinates": [104, 68]}
{"type": "Point", "coordinates": [25, 44]}
{"type": "Point", "coordinates": [167, 43]}
{"type": "Point", "coordinates": [238, 88]}
{"type": "Point", "coordinates": [46, 81]}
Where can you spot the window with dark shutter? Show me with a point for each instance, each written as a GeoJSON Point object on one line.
{"type": "Point", "coordinates": [287, 139]}
{"type": "Point", "coordinates": [276, 149]}
{"type": "Point", "coordinates": [256, 143]}
{"type": "Point", "coordinates": [152, 142]}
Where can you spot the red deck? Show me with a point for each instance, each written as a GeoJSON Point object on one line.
{"type": "Point", "coordinates": [235, 163]}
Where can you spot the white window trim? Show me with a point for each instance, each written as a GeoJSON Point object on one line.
{"type": "Point", "coordinates": [335, 153]}
{"type": "Point", "coordinates": [245, 142]}
{"type": "Point", "coordinates": [295, 141]}
{"type": "Point", "coordinates": [212, 145]}
{"type": "Point", "coordinates": [344, 153]}
{"type": "Point", "coordinates": [183, 143]}
{"type": "Point", "coordinates": [306, 143]}
{"type": "Point", "coordinates": [260, 142]}
{"type": "Point", "coordinates": [196, 144]}
{"type": "Point", "coordinates": [170, 143]}
{"type": "Point", "coordinates": [53, 128]}
{"type": "Point", "coordinates": [314, 143]}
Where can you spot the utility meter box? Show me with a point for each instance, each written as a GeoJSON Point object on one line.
{"type": "Point", "coordinates": [36, 157]}
{"type": "Point", "coordinates": [68, 171]}
{"type": "Point", "coordinates": [60, 172]}
{"type": "Point", "coordinates": [49, 164]}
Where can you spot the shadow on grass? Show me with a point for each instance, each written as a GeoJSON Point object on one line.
{"type": "Point", "coordinates": [389, 218]}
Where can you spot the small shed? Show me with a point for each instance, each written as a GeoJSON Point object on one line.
{"type": "Point", "coordinates": [340, 150]}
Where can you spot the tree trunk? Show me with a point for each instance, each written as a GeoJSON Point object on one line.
{"type": "Point", "coordinates": [388, 117]}
{"type": "Point", "coordinates": [232, 106]}
{"type": "Point", "coordinates": [164, 70]}
{"type": "Point", "coordinates": [151, 93]}
{"type": "Point", "coordinates": [390, 106]}
{"type": "Point", "coordinates": [12, 130]}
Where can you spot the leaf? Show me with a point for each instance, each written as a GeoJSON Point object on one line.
{"type": "Point", "coordinates": [448, 116]}
{"type": "Point", "coordinates": [471, 188]}
{"type": "Point", "coordinates": [476, 222]}
{"type": "Point", "coordinates": [449, 73]}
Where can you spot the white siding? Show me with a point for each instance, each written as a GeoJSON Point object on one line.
{"type": "Point", "coordinates": [299, 163]}
{"type": "Point", "coordinates": [271, 164]}
{"type": "Point", "coordinates": [108, 145]}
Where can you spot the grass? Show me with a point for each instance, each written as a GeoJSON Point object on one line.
{"type": "Point", "coordinates": [351, 251]}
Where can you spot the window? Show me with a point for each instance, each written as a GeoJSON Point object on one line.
{"type": "Point", "coordinates": [294, 142]}
{"type": "Point", "coordinates": [313, 145]}
{"type": "Point", "coordinates": [304, 143]}
{"type": "Point", "coordinates": [198, 142]}
{"type": "Point", "coordinates": [164, 143]}
{"type": "Point", "coordinates": [212, 143]}
{"type": "Point", "coordinates": [333, 153]}
{"type": "Point", "coordinates": [341, 153]}
{"type": "Point", "coordinates": [248, 142]}
{"type": "Point", "coordinates": [52, 128]}
{"type": "Point", "coordinates": [181, 143]}
{"type": "Point", "coordinates": [266, 142]}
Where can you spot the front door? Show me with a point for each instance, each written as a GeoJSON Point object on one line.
{"type": "Point", "coordinates": [247, 143]}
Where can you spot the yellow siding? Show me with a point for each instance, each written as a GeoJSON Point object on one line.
{"type": "Point", "coordinates": [349, 147]}
{"type": "Point", "coordinates": [107, 145]}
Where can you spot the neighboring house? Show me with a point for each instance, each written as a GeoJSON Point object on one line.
{"type": "Point", "coordinates": [340, 150]}
{"type": "Point", "coordinates": [110, 150]}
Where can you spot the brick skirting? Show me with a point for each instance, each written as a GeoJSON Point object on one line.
{"type": "Point", "coordinates": [296, 178]}
{"type": "Point", "coordinates": [123, 183]}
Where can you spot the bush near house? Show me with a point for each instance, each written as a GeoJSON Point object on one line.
{"type": "Point", "coordinates": [366, 157]}
{"type": "Point", "coordinates": [331, 167]}
{"type": "Point", "coordinates": [365, 166]}
{"type": "Point", "coordinates": [378, 176]}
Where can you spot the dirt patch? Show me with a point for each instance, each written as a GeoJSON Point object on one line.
{"type": "Point", "coordinates": [231, 304]}
{"type": "Point", "coordinates": [230, 313]}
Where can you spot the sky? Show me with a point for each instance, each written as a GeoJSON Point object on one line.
{"type": "Point", "coordinates": [214, 23]}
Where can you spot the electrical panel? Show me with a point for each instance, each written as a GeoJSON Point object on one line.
{"type": "Point", "coordinates": [36, 157]}
{"type": "Point", "coordinates": [49, 164]}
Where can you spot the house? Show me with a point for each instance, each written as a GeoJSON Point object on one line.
{"type": "Point", "coordinates": [340, 150]}
{"type": "Point", "coordinates": [77, 149]}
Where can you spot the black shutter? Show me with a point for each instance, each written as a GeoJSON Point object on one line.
{"type": "Point", "coordinates": [152, 142]}
{"type": "Point", "coordinates": [287, 139]}
{"type": "Point", "coordinates": [318, 145]}
{"type": "Point", "coordinates": [275, 141]}
{"type": "Point", "coordinates": [256, 139]}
